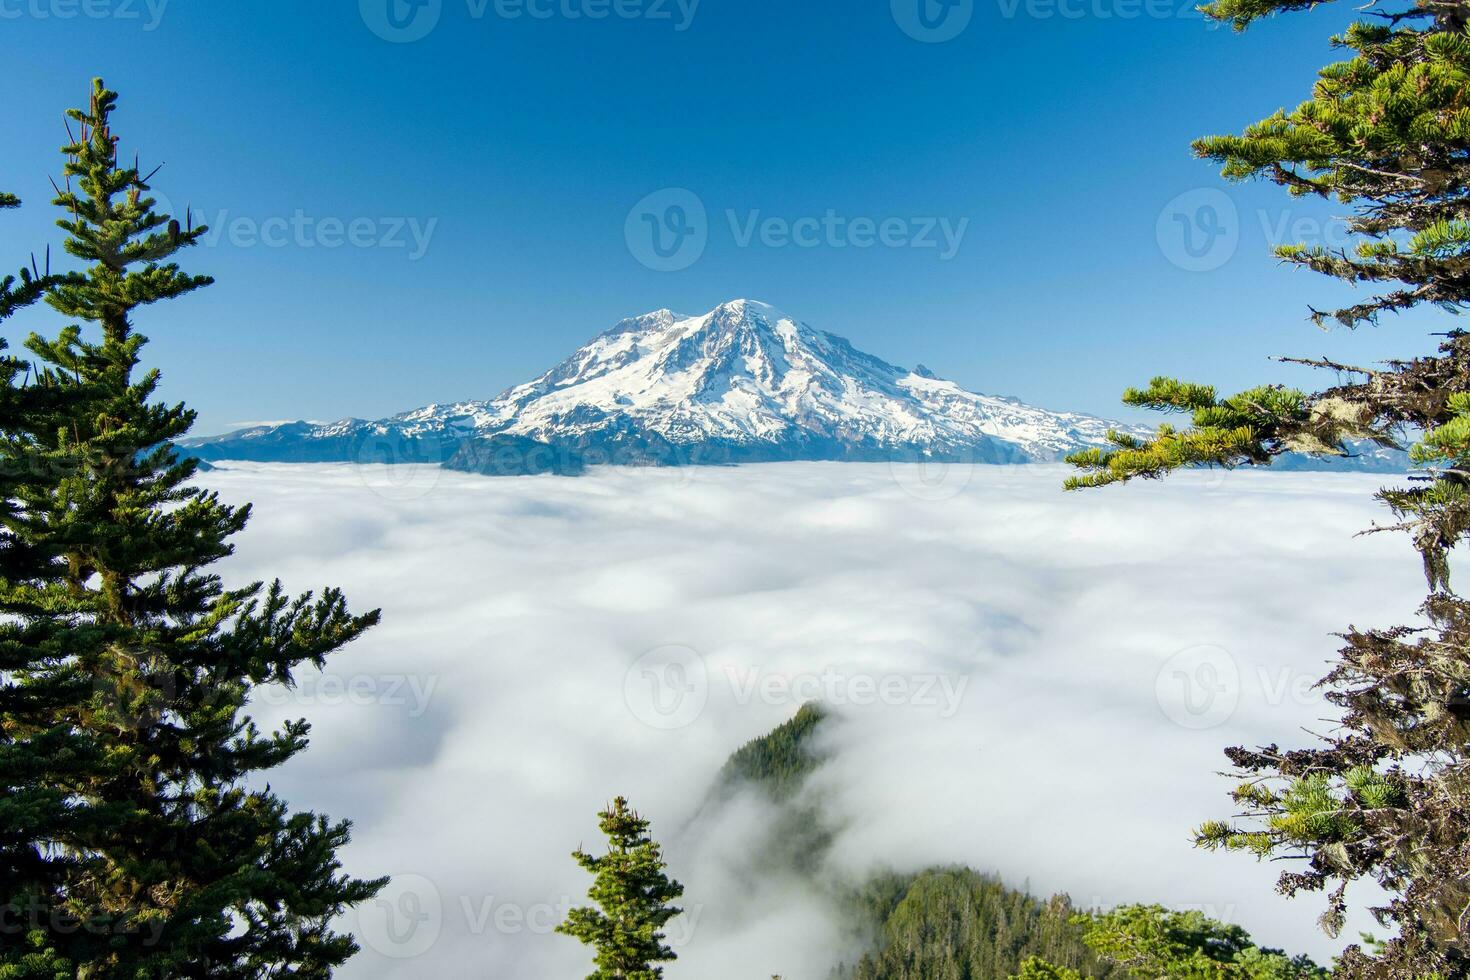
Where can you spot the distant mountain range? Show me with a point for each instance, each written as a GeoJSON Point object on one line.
{"type": "Point", "coordinates": [741, 383]}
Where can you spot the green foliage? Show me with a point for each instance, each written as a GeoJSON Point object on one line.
{"type": "Point", "coordinates": [956, 924]}
{"type": "Point", "coordinates": [1036, 968]}
{"type": "Point", "coordinates": [780, 760]}
{"type": "Point", "coordinates": [1385, 796]}
{"type": "Point", "coordinates": [1246, 428]}
{"type": "Point", "coordinates": [1249, 428]}
{"type": "Point", "coordinates": [632, 896]}
{"type": "Point", "coordinates": [1383, 131]}
{"type": "Point", "coordinates": [776, 766]}
{"type": "Point", "coordinates": [939, 923]}
{"type": "Point", "coordinates": [139, 839]}
{"type": "Point", "coordinates": [28, 286]}
{"type": "Point", "coordinates": [1448, 443]}
{"type": "Point", "coordinates": [1149, 942]}
{"type": "Point", "coordinates": [1317, 811]}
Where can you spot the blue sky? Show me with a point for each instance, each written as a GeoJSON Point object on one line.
{"type": "Point", "coordinates": [406, 219]}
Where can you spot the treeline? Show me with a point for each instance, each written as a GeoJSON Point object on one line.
{"type": "Point", "coordinates": [778, 761]}
{"type": "Point", "coordinates": [958, 924]}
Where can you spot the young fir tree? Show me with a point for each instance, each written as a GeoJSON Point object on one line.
{"type": "Point", "coordinates": [632, 894]}
{"type": "Point", "coordinates": [137, 839]}
{"type": "Point", "coordinates": [1387, 796]}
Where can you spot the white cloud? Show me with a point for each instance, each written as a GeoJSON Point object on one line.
{"type": "Point", "coordinates": [473, 736]}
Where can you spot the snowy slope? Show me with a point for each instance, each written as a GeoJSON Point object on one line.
{"type": "Point", "coordinates": [741, 383]}
{"type": "Point", "coordinates": [747, 373]}
{"type": "Point", "coordinates": [744, 379]}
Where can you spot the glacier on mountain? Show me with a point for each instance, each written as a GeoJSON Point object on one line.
{"type": "Point", "coordinates": [744, 382]}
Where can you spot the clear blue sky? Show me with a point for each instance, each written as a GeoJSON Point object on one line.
{"type": "Point", "coordinates": [1058, 129]}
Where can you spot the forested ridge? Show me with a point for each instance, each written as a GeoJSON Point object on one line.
{"type": "Point", "coordinates": [958, 924]}
{"type": "Point", "coordinates": [780, 760]}
{"type": "Point", "coordinates": [940, 923]}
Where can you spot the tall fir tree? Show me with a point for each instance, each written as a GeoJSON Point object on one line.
{"type": "Point", "coordinates": [632, 895]}
{"type": "Point", "coordinates": [1386, 796]}
{"type": "Point", "coordinates": [137, 838]}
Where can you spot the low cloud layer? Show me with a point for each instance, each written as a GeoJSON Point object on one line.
{"type": "Point", "coordinates": [1029, 682]}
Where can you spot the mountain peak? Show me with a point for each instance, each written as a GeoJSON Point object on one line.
{"type": "Point", "coordinates": [742, 382]}
{"type": "Point", "coordinates": [761, 384]}
{"type": "Point", "coordinates": [730, 312]}
{"type": "Point", "coordinates": [744, 314]}
{"type": "Point", "coordinates": [741, 307]}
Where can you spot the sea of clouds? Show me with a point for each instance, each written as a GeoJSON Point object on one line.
{"type": "Point", "coordinates": [1033, 683]}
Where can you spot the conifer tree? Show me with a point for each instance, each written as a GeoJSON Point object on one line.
{"type": "Point", "coordinates": [1149, 941]}
{"type": "Point", "coordinates": [137, 837]}
{"type": "Point", "coordinates": [1387, 795]}
{"type": "Point", "coordinates": [632, 895]}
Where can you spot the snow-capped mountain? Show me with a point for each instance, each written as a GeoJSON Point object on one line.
{"type": "Point", "coordinates": [743, 382]}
